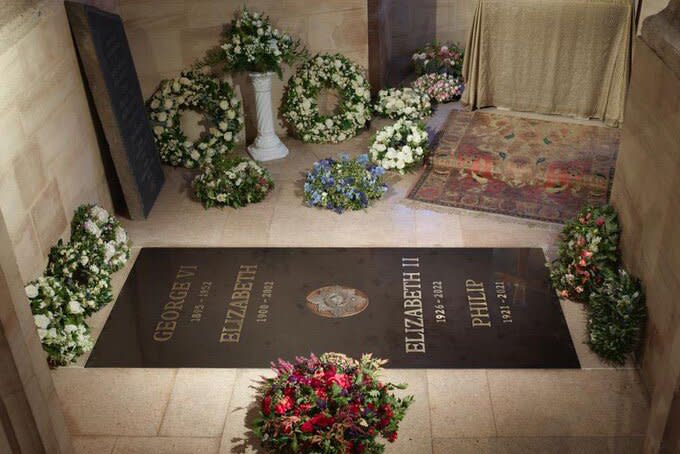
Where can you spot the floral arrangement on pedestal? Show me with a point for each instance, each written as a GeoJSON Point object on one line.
{"type": "Point", "coordinates": [588, 270]}
{"type": "Point", "coordinates": [441, 88]}
{"type": "Point", "coordinates": [233, 182]}
{"type": "Point", "coordinates": [252, 45]}
{"type": "Point", "coordinates": [347, 184]}
{"type": "Point", "coordinates": [77, 283]}
{"type": "Point", "coordinates": [587, 246]}
{"type": "Point", "coordinates": [400, 146]}
{"type": "Point", "coordinates": [407, 103]}
{"type": "Point", "coordinates": [194, 90]}
{"type": "Point", "coordinates": [300, 108]}
{"type": "Point", "coordinates": [616, 316]}
{"type": "Point", "coordinates": [330, 404]}
{"type": "Point", "coordinates": [439, 58]}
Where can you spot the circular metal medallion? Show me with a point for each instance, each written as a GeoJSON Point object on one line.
{"type": "Point", "coordinates": [336, 301]}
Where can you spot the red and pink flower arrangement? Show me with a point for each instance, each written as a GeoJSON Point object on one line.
{"type": "Point", "coordinates": [588, 246]}
{"type": "Point", "coordinates": [439, 58]}
{"type": "Point", "coordinates": [441, 88]}
{"type": "Point", "coordinates": [329, 404]}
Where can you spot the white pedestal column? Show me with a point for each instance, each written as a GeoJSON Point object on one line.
{"type": "Point", "coordinates": [267, 145]}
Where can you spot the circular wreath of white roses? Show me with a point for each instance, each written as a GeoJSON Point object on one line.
{"type": "Point", "coordinates": [214, 99]}
{"type": "Point", "coordinates": [400, 146]}
{"type": "Point", "coordinates": [406, 103]}
{"type": "Point", "coordinates": [300, 107]}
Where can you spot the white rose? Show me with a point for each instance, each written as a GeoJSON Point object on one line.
{"type": "Point", "coordinates": [224, 105]}
{"type": "Point", "coordinates": [158, 130]}
{"type": "Point", "coordinates": [155, 104]}
{"type": "Point", "coordinates": [329, 123]}
{"type": "Point", "coordinates": [92, 228]}
{"type": "Point", "coordinates": [121, 235]}
{"type": "Point", "coordinates": [74, 307]}
{"type": "Point", "coordinates": [70, 328]}
{"type": "Point", "coordinates": [31, 291]}
{"type": "Point", "coordinates": [168, 103]}
{"type": "Point", "coordinates": [195, 155]}
{"type": "Point", "coordinates": [41, 321]}
{"type": "Point", "coordinates": [162, 117]}
{"type": "Point", "coordinates": [109, 251]}
{"type": "Point", "coordinates": [99, 213]}
{"type": "Point", "coordinates": [228, 136]}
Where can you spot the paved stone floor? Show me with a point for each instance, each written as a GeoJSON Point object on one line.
{"type": "Point", "coordinates": [593, 410]}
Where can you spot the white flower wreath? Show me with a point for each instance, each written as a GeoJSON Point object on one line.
{"type": "Point", "coordinates": [406, 103]}
{"type": "Point", "coordinates": [300, 108]}
{"type": "Point", "coordinates": [400, 146]}
{"type": "Point", "coordinates": [193, 90]}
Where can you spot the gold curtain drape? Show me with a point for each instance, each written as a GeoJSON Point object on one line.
{"type": "Point", "coordinates": [568, 57]}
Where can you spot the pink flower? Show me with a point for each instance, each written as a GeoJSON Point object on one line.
{"type": "Point", "coordinates": [342, 380]}
{"type": "Point", "coordinates": [284, 405]}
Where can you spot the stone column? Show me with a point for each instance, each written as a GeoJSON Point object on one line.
{"type": "Point", "coordinates": [31, 420]}
{"type": "Point", "coordinates": [267, 145]}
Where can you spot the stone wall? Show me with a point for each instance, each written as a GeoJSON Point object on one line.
{"type": "Point", "coordinates": [49, 158]}
{"type": "Point", "coordinates": [168, 36]}
{"type": "Point", "coordinates": [647, 197]}
{"type": "Point", "coordinates": [454, 19]}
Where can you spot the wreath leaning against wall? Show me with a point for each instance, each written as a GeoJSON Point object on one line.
{"type": "Point", "coordinates": [300, 106]}
{"type": "Point", "coordinates": [214, 98]}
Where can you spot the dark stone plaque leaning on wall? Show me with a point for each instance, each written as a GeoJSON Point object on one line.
{"type": "Point", "coordinates": [111, 76]}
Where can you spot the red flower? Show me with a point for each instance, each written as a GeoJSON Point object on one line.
{"type": "Point", "coordinates": [599, 221]}
{"type": "Point", "coordinates": [285, 404]}
{"type": "Point", "coordinates": [392, 437]}
{"type": "Point", "coordinates": [267, 405]}
{"type": "Point", "coordinates": [307, 427]}
{"type": "Point", "coordinates": [388, 411]}
{"type": "Point", "coordinates": [322, 420]}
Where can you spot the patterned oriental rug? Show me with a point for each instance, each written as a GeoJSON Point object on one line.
{"type": "Point", "coordinates": [535, 169]}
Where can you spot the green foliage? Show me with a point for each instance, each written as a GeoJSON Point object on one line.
{"type": "Point", "coordinates": [616, 316]}
{"type": "Point", "coordinates": [587, 270]}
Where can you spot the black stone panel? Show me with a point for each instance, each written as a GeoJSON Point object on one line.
{"type": "Point", "coordinates": [416, 307]}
